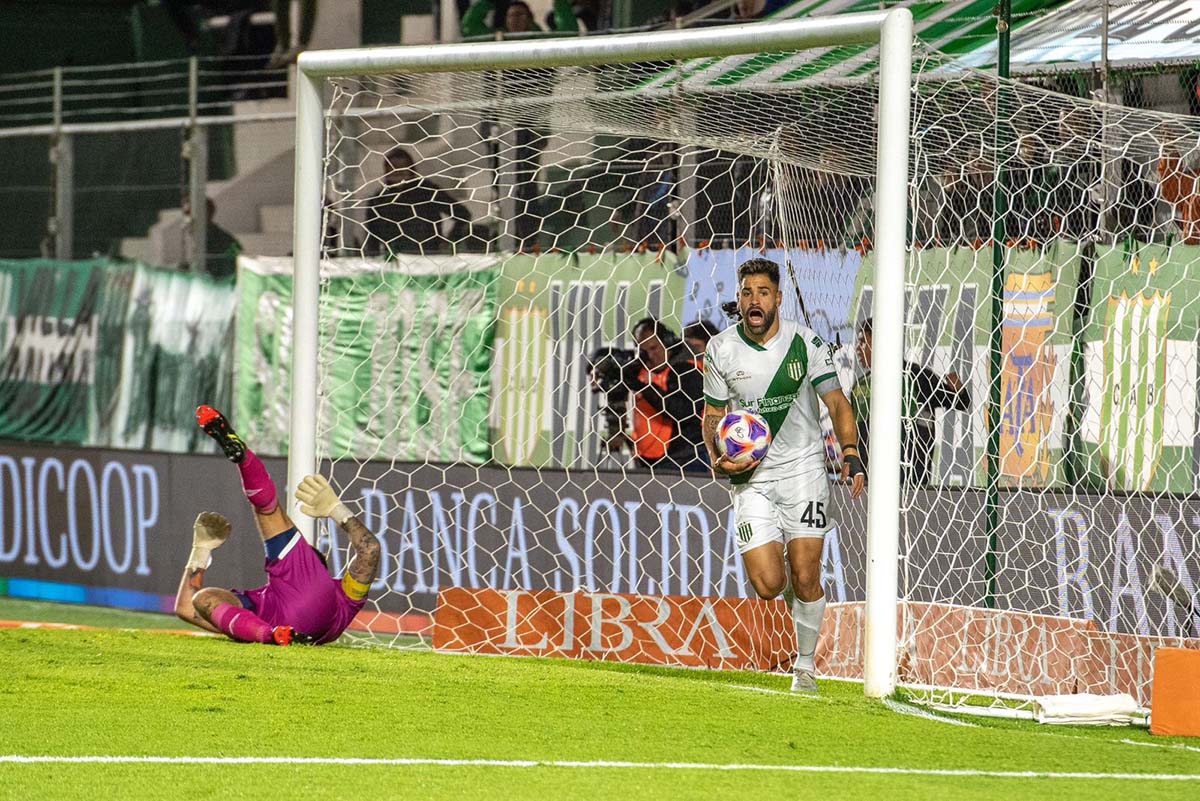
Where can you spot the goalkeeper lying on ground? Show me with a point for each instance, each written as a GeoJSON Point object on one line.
{"type": "Point", "coordinates": [300, 601]}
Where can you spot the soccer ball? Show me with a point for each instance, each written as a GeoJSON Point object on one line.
{"type": "Point", "coordinates": [743, 436]}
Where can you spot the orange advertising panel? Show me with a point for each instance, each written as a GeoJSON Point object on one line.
{"type": "Point", "coordinates": [1176, 709]}
{"type": "Point", "coordinates": [724, 633]}
{"type": "Point", "coordinates": [840, 646]}
{"type": "Point", "coordinates": [997, 650]}
{"type": "Point", "coordinates": [970, 648]}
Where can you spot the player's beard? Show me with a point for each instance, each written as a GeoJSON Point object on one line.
{"type": "Point", "coordinates": [758, 329]}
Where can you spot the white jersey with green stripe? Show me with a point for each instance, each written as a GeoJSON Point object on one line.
{"type": "Point", "coordinates": [781, 381]}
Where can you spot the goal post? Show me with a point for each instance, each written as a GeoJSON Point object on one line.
{"type": "Point", "coordinates": [892, 31]}
{"type": "Point", "coordinates": [891, 205]}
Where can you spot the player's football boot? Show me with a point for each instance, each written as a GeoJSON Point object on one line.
{"type": "Point", "coordinates": [803, 681]}
{"type": "Point", "coordinates": [283, 635]}
{"type": "Point", "coordinates": [299, 638]}
{"type": "Point", "coordinates": [216, 426]}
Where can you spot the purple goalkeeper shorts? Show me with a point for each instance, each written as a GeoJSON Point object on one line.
{"type": "Point", "coordinates": [300, 593]}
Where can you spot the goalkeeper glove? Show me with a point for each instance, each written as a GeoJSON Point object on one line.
{"type": "Point", "coordinates": [317, 499]}
{"type": "Point", "coordinates": [208, 533]}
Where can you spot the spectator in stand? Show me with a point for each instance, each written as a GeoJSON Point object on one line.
{"type": "Point", "coordinates": [967, 216]}
{"type": "Point", "coordinates": [749, 10]}
{"type": "Point", "coordinates": [668, 390]}
{"type": "Point", "coordinates": [409, 212]}
{"type": "Point", "coordinates": [1137, 210]}
{"type": "Point", "coordinates": [923, 394]}
{"type": "Point", "coordinates": [187, 15]}
{"type": "Point", "coordinates": [648, 218]}
{"type": "Point", "coordinates": [221, 248]}
{"type": "Point", "coordinates": [1179, 186]}
{"type": "Point", "coordinates": [676, 11]}
{"type": "Point", "coordinates": [589, 16]}
{"type": "Point", "coordinates": [286, 50]}
{"type": "Point", "coordinates": [1032, 184]}
{"type": "Point", "coordinates": [696, 337]}
{"type": "Point", "coordinates": [517, 18]}
{"type": "Point", "coordinates": [754, 10]}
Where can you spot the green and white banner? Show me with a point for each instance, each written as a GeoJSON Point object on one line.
{"type": "Point", "coordinates": [111, 353]}
{"type": "Point", "coordinates": [406, 356]}
{"type": "Point", "coordinates": [49, 338]}
{"type": "Point", "coordinates": [947, 329]}
{"type": "Point", "coordinates": [167, 347]}
{"type": "Point", "coordinates": [1139, 433]}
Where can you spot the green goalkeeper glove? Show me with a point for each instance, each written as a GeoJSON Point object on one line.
{"type": "Point", "coordinates": [208, 533]}
{"type": "Point", "coordinates": [317, 499]}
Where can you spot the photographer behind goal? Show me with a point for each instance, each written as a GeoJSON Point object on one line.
{"type": "Point", "coordinates": [667, 389]}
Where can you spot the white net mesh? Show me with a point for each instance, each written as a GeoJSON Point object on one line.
{"type": "Point", "coordinates": [491, 234]}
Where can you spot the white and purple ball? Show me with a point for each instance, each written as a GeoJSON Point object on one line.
{"type": "Point", "coordinates": [743, 436]}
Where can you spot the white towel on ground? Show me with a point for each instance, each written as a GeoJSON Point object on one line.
{"type": "Point", "coordinates": [1088, 709]}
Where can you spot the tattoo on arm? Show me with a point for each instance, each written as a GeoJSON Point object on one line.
{"type": "Point", "coordinates": [195, 583]}
{"type": "Point", "coordinates": [365, 564]}
{"type": "Point", "coordinates": [195, 579]}
{"type": "Point", "coordinates": [712, 423]}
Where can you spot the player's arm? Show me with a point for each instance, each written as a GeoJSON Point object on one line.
{"type": "Point", "coordinates": [846, 431]}
{"type": "Point", "coordinates": [711, 424]}
{"type": "Point", "coordinates": [716, 401]}
{"type": "Point", "coordinates": [317, 499]}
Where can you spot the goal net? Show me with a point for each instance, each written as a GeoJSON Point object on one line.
{"type": "Point", "coordinates": [491, 239]}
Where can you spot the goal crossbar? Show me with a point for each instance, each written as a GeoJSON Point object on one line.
{"type": "Point", "coordinates": [892, 30]}
{"type": "Point", "coordinates": [733, 40]}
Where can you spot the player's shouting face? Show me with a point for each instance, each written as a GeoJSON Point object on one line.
{"type": "Point", "coordinates": [758, 301]}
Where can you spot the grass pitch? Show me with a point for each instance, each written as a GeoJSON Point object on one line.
{"type": "Point", "coordinates": [484, 728]}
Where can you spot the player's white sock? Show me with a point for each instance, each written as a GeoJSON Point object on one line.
{"type": "Point", "coordinates": [208, 533]}
{"type": "Point", "coordinates": [808, 615]}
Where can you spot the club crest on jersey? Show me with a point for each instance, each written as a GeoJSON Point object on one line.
{"type": "Point", "coordinates": [795, 369]}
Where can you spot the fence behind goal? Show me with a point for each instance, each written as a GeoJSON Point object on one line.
{"type": "Point", "coordinates": [488, 235]}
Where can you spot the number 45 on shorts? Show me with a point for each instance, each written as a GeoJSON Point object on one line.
{"type": "Point", "coordinates": [813, 515]}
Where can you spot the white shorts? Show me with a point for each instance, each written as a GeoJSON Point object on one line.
{"type": "Point", "coordinates": [782, 510]}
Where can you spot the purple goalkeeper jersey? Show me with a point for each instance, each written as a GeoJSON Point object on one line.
{"type": "Point", "coordinates": [300, 593]}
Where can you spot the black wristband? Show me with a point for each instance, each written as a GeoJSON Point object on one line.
{"type": "Point", "coordinates": [855, 464]}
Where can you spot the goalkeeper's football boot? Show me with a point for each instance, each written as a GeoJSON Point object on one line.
{"type": "Point", "coordinates": [804, 682]}
{"type": "Point", "coordinates": [283, 635]}
{"type": "Point", "coordinates": [216, 426]}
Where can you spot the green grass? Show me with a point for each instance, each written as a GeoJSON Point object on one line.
{"type": "Point", "coordinates": [77, 693]}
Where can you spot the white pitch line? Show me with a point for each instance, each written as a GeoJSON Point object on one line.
{"type": "Point", "coordinates": [915, 711]}
{"type": "Point", "coordinates": [602, 765]}
{"type": "Point", "coordinates": [1168, 746]}
{"type": "Point", "coordinates": [769, 691]}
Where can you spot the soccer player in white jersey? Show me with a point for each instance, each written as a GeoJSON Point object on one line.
{"type": "Point", "coordinates": [778, 368]}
